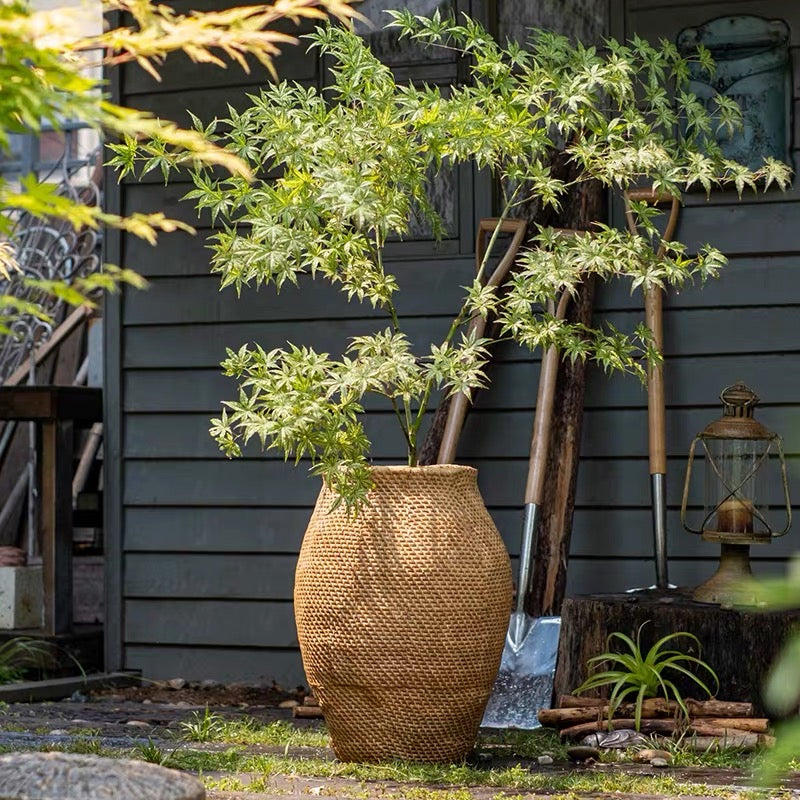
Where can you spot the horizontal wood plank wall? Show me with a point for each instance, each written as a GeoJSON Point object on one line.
{"type": "Point", "coordinates": [209, 545]}
{"type": "Point", "coordinates": [712, 338]}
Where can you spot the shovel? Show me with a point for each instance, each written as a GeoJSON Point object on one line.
{"type": "Point", "coordinates": [524, 684]}
{"type": "Point", "coordinates": [653, 301]}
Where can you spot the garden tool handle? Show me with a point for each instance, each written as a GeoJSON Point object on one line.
{"type": "Point", "coordinates": [542, 423]}
{"type": "Point", "coordinates": [656, 415]}
{"type": "Point", "coordinates": [458, 404]}
{"type": "Point", "coordinates": [653, 311]}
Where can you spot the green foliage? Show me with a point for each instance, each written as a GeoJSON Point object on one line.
{"type": "Point", "coordinates": [354, 170]}
{"type": "Point", "coordinates": [632, 673]}
{"type": "Point", "coordinates": [782, 688]}
{"type": "Point", "coordinates": [48, 62]}
{"type": "Point", "coordinates": [21, 654]}
{"type": "Point", "coordinates": [203, 727]}
{"type": "Point", "coordinates": [152, 753]}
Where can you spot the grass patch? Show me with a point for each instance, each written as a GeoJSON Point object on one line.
{"type": "Point", "coordinates": [523, 744]}
{"type": "Point", "coordinates": [207, 726]}
{"type": "Point", "coordinates": [516, 778]}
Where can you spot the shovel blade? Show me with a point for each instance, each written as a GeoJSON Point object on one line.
{"type": "Point", "coordinates": [524, 684]}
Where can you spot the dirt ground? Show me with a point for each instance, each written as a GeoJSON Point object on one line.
{"type": "Point", "coordinates": [208, 693]}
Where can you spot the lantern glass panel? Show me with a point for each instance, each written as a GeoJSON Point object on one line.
{"type": "Point", "coordinates": [735, 474]}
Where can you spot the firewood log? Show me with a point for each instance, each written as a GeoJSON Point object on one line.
{"type": "Point", "coordinates": [667, 726]}
{"type": "Point", "coordinates": [748, 724]}
{"type": "Point", "coordinates": [743, 741]}
{"type": "Point", "coordinates": [307, 712]}
{"type": "Point", "coordinates": [560, 717]}
{"type": "Point", "coordinates": [697, 708]}
{"type": "Point", "coordinates": [718, 708]}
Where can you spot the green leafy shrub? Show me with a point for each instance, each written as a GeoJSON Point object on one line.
{"type": "Point", "coordinates": [782, 687]}
{"type": "Point", "coordinates": [353, 169]}
{"type": "Point", "coordinates": [632, 673]}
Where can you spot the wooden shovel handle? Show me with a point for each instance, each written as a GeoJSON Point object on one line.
{"type": "Point", "coordinates": [542, 423]}
{"type": "Point", "coordinates": [457, 411]}
{"type": "Point", "coordinates": [653, 313]}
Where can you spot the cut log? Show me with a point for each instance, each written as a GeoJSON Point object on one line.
{"type": "Point", "coordinates": [663, 726]}
{"type": "Point", "coordinates": [758, 636]}
{"type": "Point", "coordinates": [307, 712]}
{"type": "Point", "coordinates": [741, 741]}
{"type": "Point", "coordinates": [718, 708]}
{"type": "Point", "coordinates": [655, 707]}
{"type": "Point", "coordinates": [738, 723]}
{"type": "Point", "coordinates": [704, 727]}
{"type": "Point", "coordinates": [651, 708]}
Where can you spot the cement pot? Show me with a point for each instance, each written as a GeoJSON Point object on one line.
{"type": "Point", "coordinates": [402, 613]}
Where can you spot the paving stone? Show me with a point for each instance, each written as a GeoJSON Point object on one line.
{"type": "Point", "coordinates": [66, 776]}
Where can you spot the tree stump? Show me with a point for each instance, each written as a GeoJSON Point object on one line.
{"type": "Point", "coordinates": [739, 644]}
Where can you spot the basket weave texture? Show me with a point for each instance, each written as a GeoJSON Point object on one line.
{"type": "Point", "coordinates": [402, 614]}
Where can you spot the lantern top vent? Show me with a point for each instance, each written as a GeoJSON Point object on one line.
{"type": "Point", "coordinates": [737, 421]}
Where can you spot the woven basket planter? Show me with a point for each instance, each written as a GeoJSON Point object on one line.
{"type": "Point", "coordinates": [402, 614]}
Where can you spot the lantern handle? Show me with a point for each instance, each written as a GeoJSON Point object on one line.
{"type": "Point", "coordinates": [686, 482]}
{"type": "Point", "coordinates": [785, 490]}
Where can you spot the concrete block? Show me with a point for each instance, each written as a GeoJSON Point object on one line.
{"type": "Point", "coordinates": [20, 597]}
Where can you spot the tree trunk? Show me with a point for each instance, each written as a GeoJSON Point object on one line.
{"type": "Point", "coordinates": [739, 644]}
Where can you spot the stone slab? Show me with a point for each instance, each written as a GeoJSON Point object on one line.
{"type": "Point", "coordinates": [20, 597]}
{"type": "Point", "coordinates": [67, 776]}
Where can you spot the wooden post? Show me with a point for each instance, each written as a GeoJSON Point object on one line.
{"type": "Point", "coordinates": [584, 204]}
{"type": "Point", "coordinates": [56, 524]}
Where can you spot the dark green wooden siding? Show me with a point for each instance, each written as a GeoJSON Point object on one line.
{"type": "Point", "coordinates": [202, 549]}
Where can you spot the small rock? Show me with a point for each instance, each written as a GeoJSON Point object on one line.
{"type": "Point", "coordinates": [147, 702]}
{"type": "Point", "coordinates": [288, 704]}
{"type": "Point", "coordinates": [58, 732]}
{"type": "Point", "coordinates": [138, 723]}
{"type": "Point", "coordinates": [619, 739]}
{"type": "Point", "coordinates": [545, 761]}
{"type": "Point", "coordinates": [646, 756]}
{"type": "Point", "coordinates": [209, 684]}
{"type": "Point", "coordinates": [177, 683]}
{"type": "Point", "coordinates": [580, 753]}
{"type": "Point", "coordinates": [78, 697]}
{"type": "Point", "coordinates": [183, 704]}
{"type": "Point", "coordinates": [658, 762]}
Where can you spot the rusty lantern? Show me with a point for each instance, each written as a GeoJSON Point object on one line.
{"type": "Point", "coordinates": [743, 461]}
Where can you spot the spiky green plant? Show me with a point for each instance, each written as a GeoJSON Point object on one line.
{"type": "Point", "coordinates": [632, 673]}
{"type": "Point", "coordinates": [20, 654]}
{"type": "Point", "coordinates": [202, 727]}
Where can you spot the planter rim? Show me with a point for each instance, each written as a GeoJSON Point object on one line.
{"type": "Point", "coordinates": [430, 469]}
